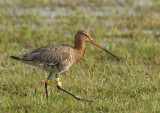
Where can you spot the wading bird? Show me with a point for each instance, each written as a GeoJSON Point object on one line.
{"type": "Point", "coordinates": [56, 59]}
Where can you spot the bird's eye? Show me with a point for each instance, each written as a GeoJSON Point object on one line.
{"type": "Point", "coordinates": [86, 35]}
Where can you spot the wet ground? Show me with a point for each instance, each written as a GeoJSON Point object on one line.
{"type": "Point", "coordinates": [128, 28]}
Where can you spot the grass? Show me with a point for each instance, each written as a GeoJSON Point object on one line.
{"type": "Point", "coordinates": [127, 29]}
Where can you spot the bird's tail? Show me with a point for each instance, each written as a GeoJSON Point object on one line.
{"type": "Point", "coordinates": [15, 57]}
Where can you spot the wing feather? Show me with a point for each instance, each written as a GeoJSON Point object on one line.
{"type": "Point", "coordinates": [51, 55]}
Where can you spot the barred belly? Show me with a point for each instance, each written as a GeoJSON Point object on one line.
{"type": "Point", "coordinates": [55, 69]}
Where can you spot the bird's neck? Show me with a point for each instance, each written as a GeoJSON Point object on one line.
{"type": "Point", "coordinates": [80, 47]}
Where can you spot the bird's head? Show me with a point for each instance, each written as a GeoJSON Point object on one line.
{"type": "Point", "coordinates": [84, 36]}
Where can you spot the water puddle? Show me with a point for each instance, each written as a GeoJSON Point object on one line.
{"type": "Point", "coordinates": [51, 13]}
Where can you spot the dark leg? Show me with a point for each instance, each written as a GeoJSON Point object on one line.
{"type": "Point", "coordinates": [46, 83]}
{"type": "Point", "coordinates": [76, 97]}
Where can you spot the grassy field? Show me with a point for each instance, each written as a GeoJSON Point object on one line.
{"type": "Point", "coordinates": [129, 29]}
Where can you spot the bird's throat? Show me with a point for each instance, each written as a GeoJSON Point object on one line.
{"type": "Point", "coordinates": [80, 47]}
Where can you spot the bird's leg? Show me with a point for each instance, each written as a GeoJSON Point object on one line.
{"type": "Point", "coordinates": [46, 83]}
{"type": "Point", "coordinates": [59, 84]}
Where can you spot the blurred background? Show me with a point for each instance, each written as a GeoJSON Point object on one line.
{"type": "Point", "coordinates": [128, 28]}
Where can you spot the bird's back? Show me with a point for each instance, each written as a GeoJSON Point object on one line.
{"type": "Point", "coordinates": [52, 58]}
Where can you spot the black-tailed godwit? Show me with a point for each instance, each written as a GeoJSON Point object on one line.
{"type": "Point", "coordinates": [56, 59]}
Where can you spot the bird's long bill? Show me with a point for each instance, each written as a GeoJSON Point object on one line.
{"type": "Point", "coordinates": [93, 42]}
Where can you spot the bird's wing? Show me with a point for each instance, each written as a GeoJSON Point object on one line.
{"type": "Point", "coordinates": [51, 55]}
